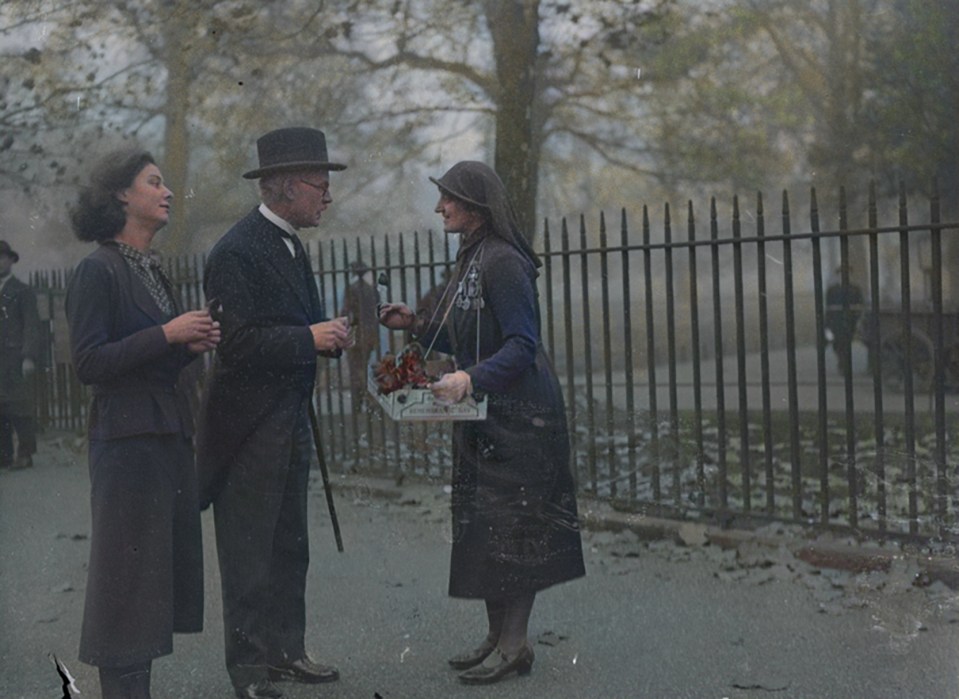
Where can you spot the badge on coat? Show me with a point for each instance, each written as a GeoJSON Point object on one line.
{"type": "Point", "coordinates": [469, 291]}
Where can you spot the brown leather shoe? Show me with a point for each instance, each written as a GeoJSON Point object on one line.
{"type": "Point", "coordinates": [305, 670]}
{"type": "Point", "coordinates": [521, 664]}
{"type": "Point", "coordinates": [471, 658]}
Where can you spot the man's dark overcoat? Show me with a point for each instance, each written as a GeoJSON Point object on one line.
{"type": "Point", "coordinates": [253, 440]}
{"type": "Point", "coordinates": [265, 365]}
{"type": "Point", "coordinates": [19, 340]}
{"type": "Point", "coordinates": [145, 577]}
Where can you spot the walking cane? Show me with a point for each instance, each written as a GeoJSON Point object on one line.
{"type": "Point", "coordinates": [326, 477]}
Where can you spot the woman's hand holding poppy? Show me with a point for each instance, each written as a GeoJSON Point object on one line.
{"type": "Point", "coordinates": [195, 329]}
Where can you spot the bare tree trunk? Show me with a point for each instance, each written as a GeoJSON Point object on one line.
{"type": "Point", "coordinates": [176, 160]}
{"type": "Point", "coordinates": [514, 26]}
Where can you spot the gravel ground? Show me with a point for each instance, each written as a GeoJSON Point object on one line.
{"type": "Point", "coordinates": [670, 617]}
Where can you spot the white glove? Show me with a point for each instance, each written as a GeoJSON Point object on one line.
{"type": "Point", "coordinates": [452, 388]}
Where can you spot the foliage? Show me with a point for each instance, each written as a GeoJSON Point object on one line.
{"type": "Point", "coordinates": [915, 78]}
{"type": "Point", "coordinates": [537, 75]}
{"type": "Point", "coordinates": [579, 104]}
{"type": "Point", "coordinates": [831, 92]}
{"type": "Point", "coordinates": [56, 57]}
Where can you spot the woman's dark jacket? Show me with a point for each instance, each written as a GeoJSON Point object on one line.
{"type": "Point", "coordinates": [119, 349]}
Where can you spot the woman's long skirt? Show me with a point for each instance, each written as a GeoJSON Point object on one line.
{"type": "Point", "coordinates": [515, 524]}
{"type": "Point", "coordinates": [145, 578]}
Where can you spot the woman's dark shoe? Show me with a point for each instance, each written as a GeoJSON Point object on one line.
{"type": "Point", "coordinates": [522, 664]}
{"type": "Point", "coordinates": [471, 658]}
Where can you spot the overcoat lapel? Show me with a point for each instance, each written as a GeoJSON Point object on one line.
{"type": "Point", "coordinates": [288, 268]}
{"type": "Point", "coordinates": [143, 299]}
{"type": "Point", "coordinates": [313, 294]}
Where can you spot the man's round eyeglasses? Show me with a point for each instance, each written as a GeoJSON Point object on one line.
{"type": "Point", "coordinates": [319, 187]}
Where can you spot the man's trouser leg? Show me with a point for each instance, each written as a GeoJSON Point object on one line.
{"type": "Point", "coordinates": [262, 563]}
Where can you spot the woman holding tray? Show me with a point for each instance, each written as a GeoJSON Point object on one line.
{"type": "Point", "coordinates": [515, 525]}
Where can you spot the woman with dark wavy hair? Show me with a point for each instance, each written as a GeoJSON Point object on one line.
{"type": "Point", "coordinates": [130, 340]}
{"type": "Point", "coordinates": [515, 524]}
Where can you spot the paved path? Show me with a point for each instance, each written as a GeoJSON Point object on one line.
{"type": "Point", "coordinates": [650, 620]}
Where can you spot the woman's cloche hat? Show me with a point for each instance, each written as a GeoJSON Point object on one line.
{"type": "Point", "coordinates": [292, 148]}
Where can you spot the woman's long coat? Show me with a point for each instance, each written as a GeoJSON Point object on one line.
{"type": "Point", "coordinates": [145, 578]}
{"type": "Point", "coordinates": [515, 526]}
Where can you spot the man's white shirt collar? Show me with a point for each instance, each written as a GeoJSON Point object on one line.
{"type": "Point", "coordinates": [282, 223]}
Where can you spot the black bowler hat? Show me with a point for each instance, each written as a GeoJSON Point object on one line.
{"type": "Point", "coordinates": [5, 249]}
{"type": "Point", "coordinates": [293, 148]}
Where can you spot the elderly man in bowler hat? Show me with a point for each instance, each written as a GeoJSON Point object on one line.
{"type": "Point", "coordinates": [20, 340]}
{"type": "Point", "coordinates": [254, 444]}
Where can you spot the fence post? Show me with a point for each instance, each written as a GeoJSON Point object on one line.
{"type": "Point", "coordinates": [745, 466]}
{"type": "Point", "coordinates": [655, 450]}
{"type": "Point", "coordinates": [700, 495]}
{"type": "Point", "coordinates": [762, 294]}
{"type": "Point", "coordinates": [718, 348]}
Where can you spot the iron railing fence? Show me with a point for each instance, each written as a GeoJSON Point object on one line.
{"type": "Point", "coordinates": [696, 361]}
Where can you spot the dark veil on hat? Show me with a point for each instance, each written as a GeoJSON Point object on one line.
{"type": "Point", "coordinates": [478, 184]}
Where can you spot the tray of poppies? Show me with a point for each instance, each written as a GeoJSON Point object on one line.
{"type": "Point", "coordinates": [400, 384]}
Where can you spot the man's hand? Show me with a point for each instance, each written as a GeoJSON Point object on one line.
{"type": "Point", "coordinates": [452, 388]}
{"type": "Point", "coordinates": [396, 316]}
{"type": "Point", "coordinates": [332, 335]}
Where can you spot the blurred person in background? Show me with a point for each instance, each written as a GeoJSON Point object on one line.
{"type": "Point", "coordinates": [844, 308]}
{"type": "Point", "coordinates": [129, 341]}
{"type": "Point", "coordinates": [360, 301]}
{"type": "Point", "coordinates": [20, 342]}
{"type": "Point", "coordinates": [515, 523]}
